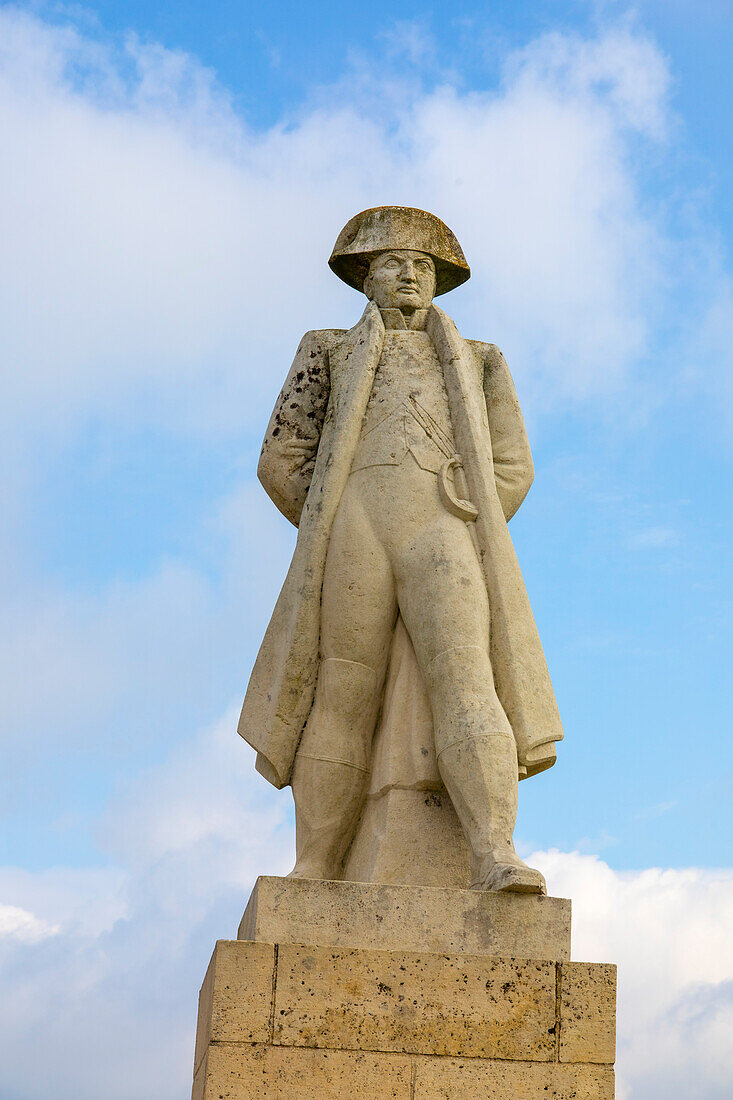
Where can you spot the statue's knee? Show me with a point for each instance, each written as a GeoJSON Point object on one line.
{"type": "Point", "coordinates": [463, 697]}
{"type": "Point", "coordinates": [341, 723]}
{"type": "Point", "coordinates": [460, 672]}
{"type": "Point", "coordinates": [459, 658]}
{"type": "Point", "coordinates": [347, 688]}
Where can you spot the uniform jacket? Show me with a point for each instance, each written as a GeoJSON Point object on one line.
{"type": "Point", "coordinates": [305, 462]}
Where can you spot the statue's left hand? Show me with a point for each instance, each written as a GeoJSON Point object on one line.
{"type": "Point", "coordinates": [299, 451]}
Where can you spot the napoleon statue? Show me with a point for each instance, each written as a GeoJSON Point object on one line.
{"type": "Point", "coordinates": [398, 450]}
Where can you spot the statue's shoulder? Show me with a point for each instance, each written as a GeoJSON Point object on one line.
{"type": "Point", "coordinates": [487, 354]}
{"type": "Point", "coordinates": [485, 350]}
{"type": "Point", "coordinates": [319, 340]}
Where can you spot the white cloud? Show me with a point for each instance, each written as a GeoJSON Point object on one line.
{"type": "Point", "coordinates": [158, 252]}
{"type": "Point", "coordinates": [669, 932]}
{"type": "Point", "coordinates": [627, 66]}
{"type": "Point", "coordinates": [205, 795]}
{"type": "Point", "coordinates": [189, 838]}
{"type": "Point", "coordinates": [653, 538]}
{"type": "Point", "coordinates": [21, 925]}
{"type": "Point", "coordinates": [68, 900]}
{"type": "Point", "coordinates": [131, 942]}
{"type": "Point", "coordinates": [412, 40]}
{"type": "Point", "coordinates": [159, 262]}
{"type": "Point", "coordinates": [130, 659]}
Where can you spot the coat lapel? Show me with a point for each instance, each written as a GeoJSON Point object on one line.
{"type": "Point", "coordinates": [352, 365]}
{"type": "Point", "coordinates": [520, 670]}
{"type": "Point", "coordinates": [282, 685]}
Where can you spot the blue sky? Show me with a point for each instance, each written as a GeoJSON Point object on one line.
{"type": "Point", "coordinates": [172, 181]}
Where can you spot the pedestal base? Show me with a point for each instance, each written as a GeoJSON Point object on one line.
{"type": "Point", "coordinates": [408, 918]}
{"type": "Point", "coordinates": [303, 1020]}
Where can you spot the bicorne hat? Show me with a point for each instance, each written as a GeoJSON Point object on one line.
{"type": "Point", "coordinates": [386, 227]}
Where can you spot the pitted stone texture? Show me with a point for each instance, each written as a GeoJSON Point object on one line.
{"type": "Point", "coordinates": [587, 1012]}
{"type": "Point", "coordinates": [236, 997]}
{"type": "Point", "coordinates": [412, 1003]}
{"type": "Point", "coordinates": [407, 918]}
{"type": "Point", "coordinates": [451, 1079]}
{"type": "Point", "coordinates": [297, 1021]}
{"type": "Point", "coordinates": [234, 1071]}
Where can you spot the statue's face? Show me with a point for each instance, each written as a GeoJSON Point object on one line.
{"type": "Point", "coordinates": [401, 279]}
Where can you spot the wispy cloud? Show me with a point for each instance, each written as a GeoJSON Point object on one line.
{"type": "Point", "coordinates": [189, 837]}
{"type": "Point", "coordinates": [653, 538]}
{"type": "Point", "coordinates": [659, 809]}
{"type": "Point", "coordinates": [159, 263]}
{"type": "Point", "coordinates": [153, 239]}
{"type": "Point", "coordinates": [19, 924]}
{"type": "Point", "coordinates": [410, 39]}
{"type": "Point", "coordinates": [666, 929]}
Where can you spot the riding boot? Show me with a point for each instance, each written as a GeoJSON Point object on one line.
{"type": "Point", "coordinates": [332, 767]}
{"type": "Point", "coordinates": [480, 775]}
{"type": "Point", "coordinates": [328, 798]}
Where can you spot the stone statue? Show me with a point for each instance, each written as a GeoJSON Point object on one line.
{"type": "Point", "coordinates": [399, 451]}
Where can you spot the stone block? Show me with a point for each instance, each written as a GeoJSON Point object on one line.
{"type": "Point", "coordinates": [451, 1079]}
{"type": "Point", "coordinates": [235, 1071]}
{"type": "Point", "coordinates": [420, 1003]}
{"type": "Point", "coordinates": [296, 1021]}
{"type": "Point", "coordinates": [406, 918]}
{"type": "Point", "coordinates": [235, 1001]}
{"type": "Point", "coordinates": [587, 1012]}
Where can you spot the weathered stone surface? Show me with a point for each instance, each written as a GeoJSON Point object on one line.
{"type": "Point", "coordinates": [236, 998]}
{"type": "Point", "coordinates": [402, 691]}
{"type": "Point", "coordinates": [304, 1021]}
{"type": "Point", "coordinates": [203, 1021]}
{"type": "Point", "coordinates": [234, 1071]}
{"type": "Point", "coordinates": [399, 450]}
{"type": "Point", "coordinates": [452, 1078]}
{"type": "Point", "coordinates": [368, 915]}
{"type": "Point", "coordinates": [421, 1003]}
{"type": "Point", "coordinates": [199, 1079]}
{"type": "Point", "coordinates": [411, 837]}
{"type": "Point", "coordinates": [588, 1012]}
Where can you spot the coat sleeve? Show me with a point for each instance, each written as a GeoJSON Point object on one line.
{"type": "Point", "coordinates": [289, 451]}
{"type": "Point", "coordinates": [513, 466]}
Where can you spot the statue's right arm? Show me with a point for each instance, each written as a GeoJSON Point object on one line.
{"type": "Point", "coordinates": [289, 451]}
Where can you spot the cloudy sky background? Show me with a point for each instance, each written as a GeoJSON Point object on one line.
{"type": "Point", "coordinates": [171, 183]}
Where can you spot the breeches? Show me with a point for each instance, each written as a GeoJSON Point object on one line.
{"type": "Point", "coordinates": [395, 549]}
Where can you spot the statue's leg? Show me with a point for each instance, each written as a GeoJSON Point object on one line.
{"type": "Point", "coordinates": [477, 760]}
{"type": "Point", "coordinates": [358, 613]}
{"type": "Point", "coordinates": [442, 597]}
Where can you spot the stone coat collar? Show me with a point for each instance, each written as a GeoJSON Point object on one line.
{"type": "Point", "coordinates": [395, 319]}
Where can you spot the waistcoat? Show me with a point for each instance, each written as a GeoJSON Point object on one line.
{"type": "Point", "coordinates": [408, 408]}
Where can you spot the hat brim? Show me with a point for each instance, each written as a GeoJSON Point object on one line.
{"type": "Point", "coordinates": [385, 228]}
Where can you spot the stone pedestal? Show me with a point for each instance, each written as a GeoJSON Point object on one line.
{"type": "Point", "coordinates": [415, 993]}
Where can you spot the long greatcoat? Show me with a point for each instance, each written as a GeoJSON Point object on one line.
{"type": "Point", "coordinates": [305, 463]}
